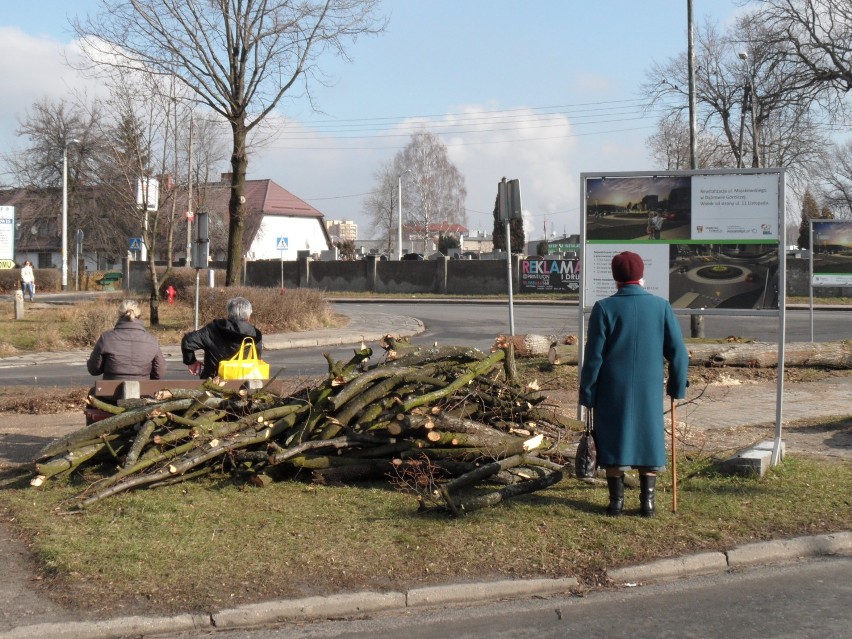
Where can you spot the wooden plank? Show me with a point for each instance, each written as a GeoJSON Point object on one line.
{"type": "Point", "coordinates": [113, 388]}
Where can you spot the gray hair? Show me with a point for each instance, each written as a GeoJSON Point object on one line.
{"type": "Point", "coordinates": [129, 309]}
{"type": "Point", "coordinates": [239, 309]}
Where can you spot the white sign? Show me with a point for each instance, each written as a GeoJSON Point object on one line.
{"type": "Point", "coordinates": [598, 269]}
{"type": "Point", "coordinates": [735, 207]}
{"type": "Point", "coordinates": [135, 243]}
{"type": "Point", "coordinates": [281, 244]}
{"type": "Point", "coordinates": [148, 193]}
{"type": "Point", "coordinates": [7, 233]}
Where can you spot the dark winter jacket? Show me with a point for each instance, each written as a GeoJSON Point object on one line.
{"type": "Point", "coordinates": [630, 333]}
{"type": "Point", "coordinates": [128, 351]}
{"type": "Point", "coordinates": [219, 340]}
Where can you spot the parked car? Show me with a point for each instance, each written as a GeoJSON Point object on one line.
{"type": "Point", "coordinates": [412, 256]}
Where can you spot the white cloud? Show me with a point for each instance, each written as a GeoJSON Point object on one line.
{"type": "Point", "coordinates": [34, 68]}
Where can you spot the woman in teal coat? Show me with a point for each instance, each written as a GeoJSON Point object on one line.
{"type": "Point", "coordinates": [630, 334]}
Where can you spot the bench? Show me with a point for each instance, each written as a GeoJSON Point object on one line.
{"type": "Point", "coordinates": [129, 393]}
{"type": "Point", "coordinates": [109, 280]}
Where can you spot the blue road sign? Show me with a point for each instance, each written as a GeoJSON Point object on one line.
{"type": "Point", "coordinates": [281, 244]}
{"type": "Point", "coordinates": [135, 243]}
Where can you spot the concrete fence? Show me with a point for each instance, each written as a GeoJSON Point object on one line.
{"type": "Point", "coordinates": [435, 276]}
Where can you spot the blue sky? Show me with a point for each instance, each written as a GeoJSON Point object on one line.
{"type": "Point", "coordinates": [558, 81]}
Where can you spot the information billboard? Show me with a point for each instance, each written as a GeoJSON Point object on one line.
{"type": "Point", "coordinates": [709, 239]}
{"type": "Point", "coordinates": [831, 252]}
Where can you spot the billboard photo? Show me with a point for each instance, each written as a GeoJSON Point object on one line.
{"type": "Point", "coordinates": [709, 240]}
{"type": "Point", "coordinates": [831, 252]}
{"type": "Point", "coordinates": [549, 276]}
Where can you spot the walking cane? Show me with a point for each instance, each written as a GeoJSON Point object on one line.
{"type": "Point", "coordinates": [674, 461]}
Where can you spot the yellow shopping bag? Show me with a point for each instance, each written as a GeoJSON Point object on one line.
{"type": "Point", "coordinates": [241, 366]}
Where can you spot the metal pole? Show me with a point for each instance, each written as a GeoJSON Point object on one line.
{"type": "Point", "coordinates": [742, 125]}
{"type": "Point", "coordinates": [755, 158]}
{"type": "Point", "coordinates": [693, 154]}
{"type": "Point", "coordinates": [811, 275]}
{"type": "Point", "coordinates": [65, 216]}
{"type": "Point", "coordinates": [509, 279]}
{"type": "Point", "coordinates": [197, 286]}
{"type": "Point", "coordinates": [77, 267]}
{"type": "Point", "coordinates": [189, 198]}
{"type": "Point", "coordinates": [65, 213]}
{"type": "Point", "coordinates": [674, 460]}
{"type": "Point", "coordinates": [782, 324]}
{"type": "Point", "coordinates": [399, 221]}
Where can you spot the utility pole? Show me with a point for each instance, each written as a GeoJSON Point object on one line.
{"type": "Point", "coordinates": [189, 214]}
{"type": "Point", "coordinates": [696, 322]}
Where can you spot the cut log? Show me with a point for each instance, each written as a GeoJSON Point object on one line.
{"type": "Point", "coordinates": [765, 355]}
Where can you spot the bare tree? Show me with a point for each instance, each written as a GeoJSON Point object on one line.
{"type": "Point", "coordinates": [817, 34]}
{"type": "Point", "coordinates": [382, 205]}
{"type": "Point", "coordinates": [435, 192]}
{"type": "Point", "coordinates": [834, 171]}
{"type": "Point", "coordinates": [49, 128]}
{"type": "Point", "coordinates": [748, 98]}
{"type": "Point", "coordinates": [239, 57]}
{"type": "Point", "coordinates": [669, 145]}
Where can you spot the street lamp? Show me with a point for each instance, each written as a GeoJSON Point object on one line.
{"type": "Point", "coordinates": [65, 213]}
{"type": "Point", "coordinates": [755, 159]}
{"type": "Point", "coordinates": [399, 222]}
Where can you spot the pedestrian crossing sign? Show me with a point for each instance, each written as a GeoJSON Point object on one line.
{"type": "Point", "coordinates": [135, 243]}
{"type": "Point", "coordinates": [281, 244]}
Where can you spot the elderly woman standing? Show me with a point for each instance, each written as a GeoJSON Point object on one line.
{"type": "Point", "coordinates": [128, 351]}
{"type": "Point", "coordinates": [630, 334]}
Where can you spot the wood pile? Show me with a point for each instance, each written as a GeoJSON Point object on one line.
{"type": "Point", "coordinates": [449, 424]}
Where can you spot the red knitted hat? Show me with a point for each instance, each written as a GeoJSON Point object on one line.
{"type": "Point", "coordinates": [627, 267]}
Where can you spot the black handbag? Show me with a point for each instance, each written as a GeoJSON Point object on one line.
{"type": "Point", "coordinates": [586, 458]}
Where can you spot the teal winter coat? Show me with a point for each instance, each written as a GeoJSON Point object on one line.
{"type": "Point", "coordinates": [629, 335]}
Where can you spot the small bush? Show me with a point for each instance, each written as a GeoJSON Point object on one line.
{"type": "Point", "coordinates": [48, 280]}
{"type": "Point", "coordinates": [87, 321]}
{"type": "Point", "coordinates": [274, 311]}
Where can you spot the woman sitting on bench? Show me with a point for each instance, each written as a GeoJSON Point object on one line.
{"type": "Point", "coordinates": [128, 351]}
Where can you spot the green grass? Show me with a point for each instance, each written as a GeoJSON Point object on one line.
{"type": "Point", "coordinates": [212, 543]}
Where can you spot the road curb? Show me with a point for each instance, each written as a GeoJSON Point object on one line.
{"type": "Point", "coordinates": [109, 628]}
{"type": "Point", "coordinates": [484, 591]}
{"type": "Point", "coordinates": [700, 564]}
{"type": "Point", "coordinates": [308, 608]}
{"type": "Point", "coordinates": [343, 605]}
{"type": "Point", "coordinates": [766, 552]}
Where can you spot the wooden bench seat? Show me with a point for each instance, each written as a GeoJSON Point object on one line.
{"type": "Point", "coordinates": [109, 280]}
{"type": "Point", "coordinates": [116, 389]}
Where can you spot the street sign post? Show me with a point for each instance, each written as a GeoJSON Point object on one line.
{"type": "Point", "coordinates": [508, 209]}
{"type": "Point", "coordinates": [281, 244]}
{"type": "Point", "coordinates": [135, 244]}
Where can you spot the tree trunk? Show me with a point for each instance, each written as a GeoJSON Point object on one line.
{"type": "Point", "coordinates": [237, 205]}
{"type": "Point", "coordinates": [765, 355]}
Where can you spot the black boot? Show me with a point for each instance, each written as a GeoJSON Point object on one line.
{"type": "Point", "coordinates": [646, 494]}
{"type": "Point", "coordinates": [616, 495]}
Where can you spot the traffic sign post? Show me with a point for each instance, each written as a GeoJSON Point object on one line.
{"type": "Point", "coordinates": [80, 236]}
{"type": "Point", "coordinates": [135, 244]}
{"type": "Point", "coordinates": [281, 244]}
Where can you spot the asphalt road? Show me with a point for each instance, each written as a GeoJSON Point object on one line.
{"type": "Point", "coordinates": [803, 600]}
{"type": "Point", "coordinates": [450, 324]}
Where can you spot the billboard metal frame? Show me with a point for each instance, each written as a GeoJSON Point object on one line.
{"type": "Point", "coordinates": [780, 312]}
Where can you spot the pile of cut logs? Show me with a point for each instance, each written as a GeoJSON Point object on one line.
{"type": "Point", "coordinates": [449, 424]}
